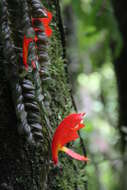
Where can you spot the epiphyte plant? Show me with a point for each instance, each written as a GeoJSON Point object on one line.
{"type": "Point", "coordinates": [66, 132]}
{"type": "Point", "coordinates": [28, 40]}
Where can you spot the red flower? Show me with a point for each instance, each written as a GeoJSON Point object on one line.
{"type": "Point", "coordinates": [26, 42]}
{"type": "Point", "coordinates": [45, 22]}
{"type": "Point", "coordinates": [66, 132]}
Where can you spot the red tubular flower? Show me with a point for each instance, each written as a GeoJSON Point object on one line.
{"type": "Point", "coordinates": [45, 22]}
{"type": "Point", "coordinates": [66, 132]}
{"type": "Point", "coordinates": [26, 42]}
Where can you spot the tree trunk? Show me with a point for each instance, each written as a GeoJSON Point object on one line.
{"type": "Point", "coordinates": [120, 65]}
{"type": "Point", "coordinates": [33, 101]}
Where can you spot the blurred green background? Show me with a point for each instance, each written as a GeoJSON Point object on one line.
{"type": "Point", "coordinates": [90, 28]}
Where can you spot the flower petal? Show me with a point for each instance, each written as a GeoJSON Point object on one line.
{"type": "Point", "coordinates": [65, 133]}
{"type": "Point", "coordinates": [73, 154]}
{"type": "Point", "coordinates": [26, 42]}
{"type": "Point", "coordinates": [45, 22]}
{"type": "Point", "coordinates": [68, 137]}
{"type": "Point", "coordinates": [79, 126]}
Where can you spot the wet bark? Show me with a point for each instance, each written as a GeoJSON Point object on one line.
{"type": "Point", "coordinates": [33, 102]}
{"type": "Point", "coordinates": [30, 101]}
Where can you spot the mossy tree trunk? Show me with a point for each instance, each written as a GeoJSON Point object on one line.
{"type": "Point", "coordinates": [32, 102]}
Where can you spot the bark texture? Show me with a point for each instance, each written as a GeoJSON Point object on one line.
{"type": "Point", "coordinates": [33, 102]}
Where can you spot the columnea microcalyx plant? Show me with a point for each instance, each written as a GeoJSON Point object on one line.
{"type": "Point", "coordinates": [66, 132]}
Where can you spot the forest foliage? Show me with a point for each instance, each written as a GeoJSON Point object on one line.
{"type": "Point", "coordinates": [94, 31]}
